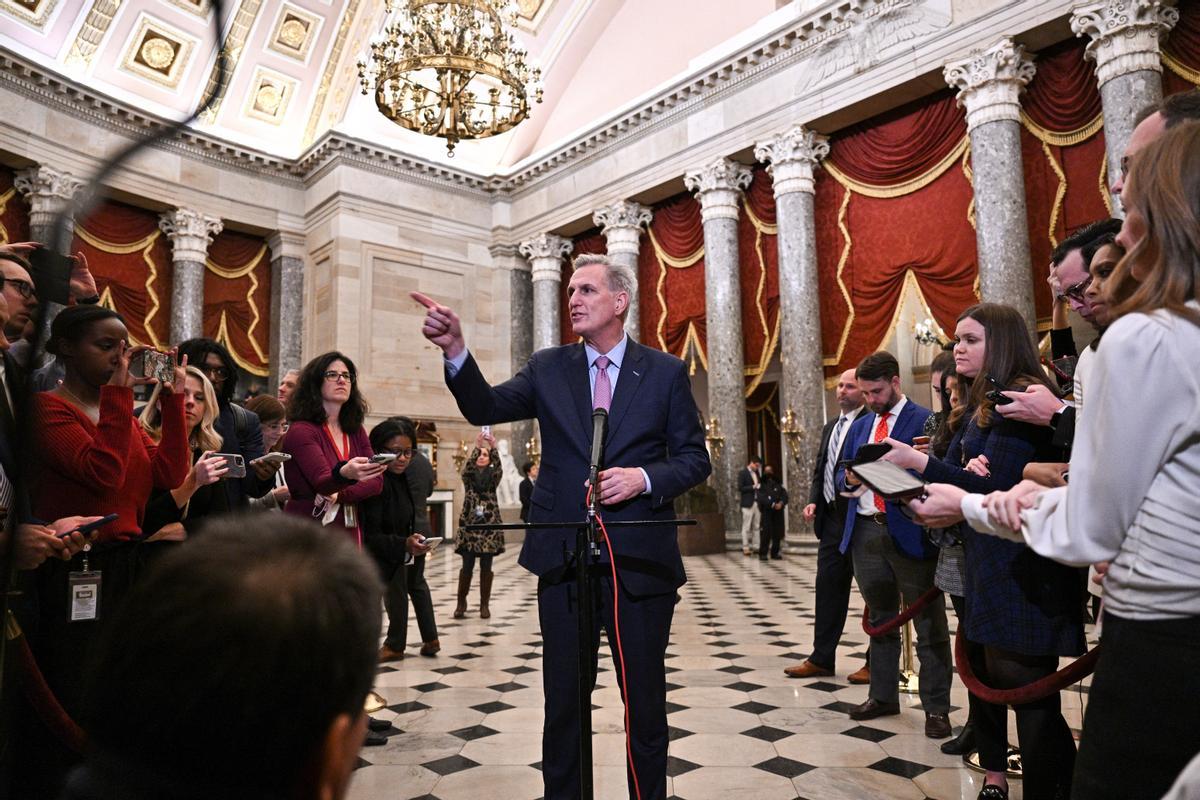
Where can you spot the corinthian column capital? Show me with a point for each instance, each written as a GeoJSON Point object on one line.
{"type": "Point", "coordinates": [190, 233]}
{"type": "Point", "coordinates": [792, 157]}
{"type": "Point", "coordinates": [622, 223]}
{"type": "Point", "coordinates": [47, 191]}
{"type": "Point", "coordinates": [545, 252]}
{"type": "Point", "coordinates": [990, 81]}
{"type": "Point", "coordinates": [1126, 35]}
{"type": "Point", "coordinates": [717, 187]}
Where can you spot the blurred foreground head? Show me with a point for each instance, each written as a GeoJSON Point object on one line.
{"type": "Point", "coordinates": [238, 667]}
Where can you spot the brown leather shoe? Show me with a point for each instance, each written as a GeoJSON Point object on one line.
{"type": "Point", "coordinates": [807, 669]}
{"type": "Point", "coordinates": [873, 708]}
{"type": "Point", "coordinates": [431, 647]}
{"type": "Point", "coordinates": [937, 726]}
{"type": "Point", "coordinates": [862, 677]}
{"type": "Point", "coordinates": [388, 654]}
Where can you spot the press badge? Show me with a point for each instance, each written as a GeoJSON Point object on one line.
{"type": "Point", "coordinates": [83, 590]}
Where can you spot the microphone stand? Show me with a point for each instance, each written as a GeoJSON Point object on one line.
{"type": "Point", "coordinates": [586, 556]}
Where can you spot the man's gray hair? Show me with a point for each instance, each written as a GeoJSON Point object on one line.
{"type": "Point", "coordinates": [620, 277]}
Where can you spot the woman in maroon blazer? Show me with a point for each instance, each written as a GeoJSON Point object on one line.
{"type": "Point", "coordinates": [330, 472]}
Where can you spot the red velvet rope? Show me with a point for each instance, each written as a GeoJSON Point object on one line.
{"type": "Point", "coordinates": [1074, 672]}
{"type": "Point", "coordinates": [41, 698]}
{"type": "Point", "coordinates": [902, 617]}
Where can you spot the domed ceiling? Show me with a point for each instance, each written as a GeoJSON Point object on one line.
{"type": "Point", "coordinates": [294, 75]}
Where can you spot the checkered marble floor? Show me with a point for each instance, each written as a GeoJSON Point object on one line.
{"type": "Point", "coordinates": [467, 723]}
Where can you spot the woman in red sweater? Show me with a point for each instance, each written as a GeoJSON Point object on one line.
{"type": "Point", "coordinates": [92, 458]}
{"type": "Point", "coordinates": [331, 470]}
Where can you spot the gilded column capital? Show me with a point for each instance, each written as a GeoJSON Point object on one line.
{"type": "Point", "coordinates": [792, 158]}
{"type": "Point", "coordinates": [1126, 35]}
{"type": "Point", "coordinates": [990, 81]}
{"type": "Point", "coordinates": [717, 187]}
{"type": "Point", "coordinates": [545, 253]}
{"type": "Point", "coordinates": [622, 223]}
{"type": "Point", "coordinates": [190, 233]}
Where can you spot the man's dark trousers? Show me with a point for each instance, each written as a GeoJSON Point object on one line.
{"type": "Point", "coordinates": [834, 578]}
{"type": "Point", "coordinates": [644, 637]}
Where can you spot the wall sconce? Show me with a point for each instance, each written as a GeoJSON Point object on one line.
{"type": "Point", "coordinates": [460, 457]}
{"type": "Point", "coordinates": [712, 435]}
{"type": "Point", "coordinates": [532, 451]}
{"type": "Point", "coordinates": [928, 333]}
{"type": "Point", "coordinates": [792, 432]}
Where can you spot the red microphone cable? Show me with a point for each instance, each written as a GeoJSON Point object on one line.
{"type": "Point", "coordinates": [612, 562]}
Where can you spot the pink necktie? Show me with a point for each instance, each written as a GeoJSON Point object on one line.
{"type": "Point", "coordinates": [602, 394]}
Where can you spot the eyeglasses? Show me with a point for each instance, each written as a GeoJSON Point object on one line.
{"type": "Point", "coordinates": [1076, 292]}
{"type": "Point", "coordinates": [407, 452]}
{"type": "Point", "coordinates": [213, 371]}
{"type": "Point", "coordinates": [26, 288]}
{"type": "Point", "coordinates": [339, 376]}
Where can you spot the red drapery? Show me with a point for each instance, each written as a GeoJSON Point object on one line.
{"type": "Point", "coordinates": [758, 265]}
{"type": "Point", "coordinates": [1181, 52]}
{"type": "Point", "coordinates": [671, 280]}
{"type": "Point", "coordinates": [131, 261]}
{"type": "Point", "coordinates": [894, 202]}
{"type": "Point", "coordinates": [14, 211]}
{"type": "Point", "coordinates": [237, 298]}
{"type": "Point", "coordinates": [589, 242]}
{"type": "Point", "coordinates": [1063, 155]}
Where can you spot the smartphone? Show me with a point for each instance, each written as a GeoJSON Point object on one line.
{"type": "Point", "coordinates": [871, 452]}
{"type": "Point", "coordinates": [153, 364]}
{"type": "Point", "coordinates": [486, 430]}
{"type": "Point", "coordinates": [920, 440]}
{"type": "Point", "coordinates": [995, 395]}
{"type": "Point", "coordinates": [91, 527]}
{"type": "Point", "coordinates": [383, 458]}
{"type": "Point", "coordinates": [432, 542]}
{"type": "Point", "coordinates": [236, 464]}
{"type": "Point", "coordinates": [272, 458]}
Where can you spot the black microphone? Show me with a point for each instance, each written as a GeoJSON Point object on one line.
{"type": "Point", "coordinates": [599, 432]}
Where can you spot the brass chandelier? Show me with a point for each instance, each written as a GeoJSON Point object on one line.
{"type": "Point", "coordinates": [451, 68]}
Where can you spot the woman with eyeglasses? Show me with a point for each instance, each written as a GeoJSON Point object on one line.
{"type": "Point", "coordinates": [395, 524]}
{"type": "Point", "coordinates": [272, 419]}
{"type": "Point", "coordinates": [330, 472]}
{"type": "Point", "coordinates": [1021, 612]}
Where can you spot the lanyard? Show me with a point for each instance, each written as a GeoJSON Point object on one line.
{"type": "Point", "coordinates": [344, 453]}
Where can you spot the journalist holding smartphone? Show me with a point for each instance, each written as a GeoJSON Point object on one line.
{"type": "Point", "coordinates": [331, 471]}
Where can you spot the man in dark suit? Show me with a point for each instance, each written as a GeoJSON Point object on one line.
{"type": "Point", "coordinates": [525, 492]}
{"type": "Point", "coordinates": [891, 559]}
{"type": "Point", "coordinates": [655, 451]}
{"type": "Point", "coordinates": [826, 509]}
{"type": "Point", "coordinates": [748, 483]}
{"type": "Point", "coordinates": [772, 498]}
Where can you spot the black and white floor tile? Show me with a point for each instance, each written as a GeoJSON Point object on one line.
{"type": "Point", "coordinates": [467, 723]}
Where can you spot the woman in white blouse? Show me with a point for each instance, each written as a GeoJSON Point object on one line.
{"type": "Point", "coordinates": [1133, 498]}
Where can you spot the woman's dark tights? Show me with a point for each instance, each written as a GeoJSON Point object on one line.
{"type": "Point", "coordinates": [468, 565]}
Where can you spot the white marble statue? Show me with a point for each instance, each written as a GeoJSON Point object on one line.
{"type": "Point", "coordinates": [507, 493]}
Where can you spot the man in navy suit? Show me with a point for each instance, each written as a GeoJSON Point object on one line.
{"type": "Point", "coordinates": [654, 452]}
{"type": "Point", "coordinates": [890, 557]}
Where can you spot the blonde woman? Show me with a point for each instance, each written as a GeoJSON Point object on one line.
{"type": "Point", "coordinates": [172, 514]}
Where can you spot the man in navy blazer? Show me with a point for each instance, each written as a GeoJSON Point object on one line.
{"type": "Point", "coordinates": [890, 557]}
{"type": "Point", "coordinates": [654, 452]}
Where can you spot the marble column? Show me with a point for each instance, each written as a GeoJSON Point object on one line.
{"type": "Point", "coordinates": [622, 223]}
{"type": "Point", "coordinates": [48, 191]}
{"type": "Point", "coordinates": [520, 310]}
{"type": "Point", "coordinates": [190, 233]}
{"type": "Point", "coordinates": [545, 253]}
{"type": "Point", "coordinates": [791, 158]}
{"type": "Point", "coordinates": [1126, 39]}
{"type": "Point", "coordinates": [989, 83]}
{"type": "Point", "coordinates": [718, 186]}
{"type": "Point", "coordinates": [288, 249]}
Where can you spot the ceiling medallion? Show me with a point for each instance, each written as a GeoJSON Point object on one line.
{"type": "Point", "coordinates": [450, 68]}
{"type": "Point", "coordinates": [157, 53]}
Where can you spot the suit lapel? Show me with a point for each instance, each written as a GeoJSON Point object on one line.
{"type": "Point", "coordinates": [630, 377]}
{"type": "Point", "coordinates": [581, 389]}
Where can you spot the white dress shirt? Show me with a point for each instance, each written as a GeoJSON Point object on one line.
{"type": "Point", "coordinates": [866, 501]}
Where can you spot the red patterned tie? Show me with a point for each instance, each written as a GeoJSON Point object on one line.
{"type": "Point", "coordinates": [881, 433]}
